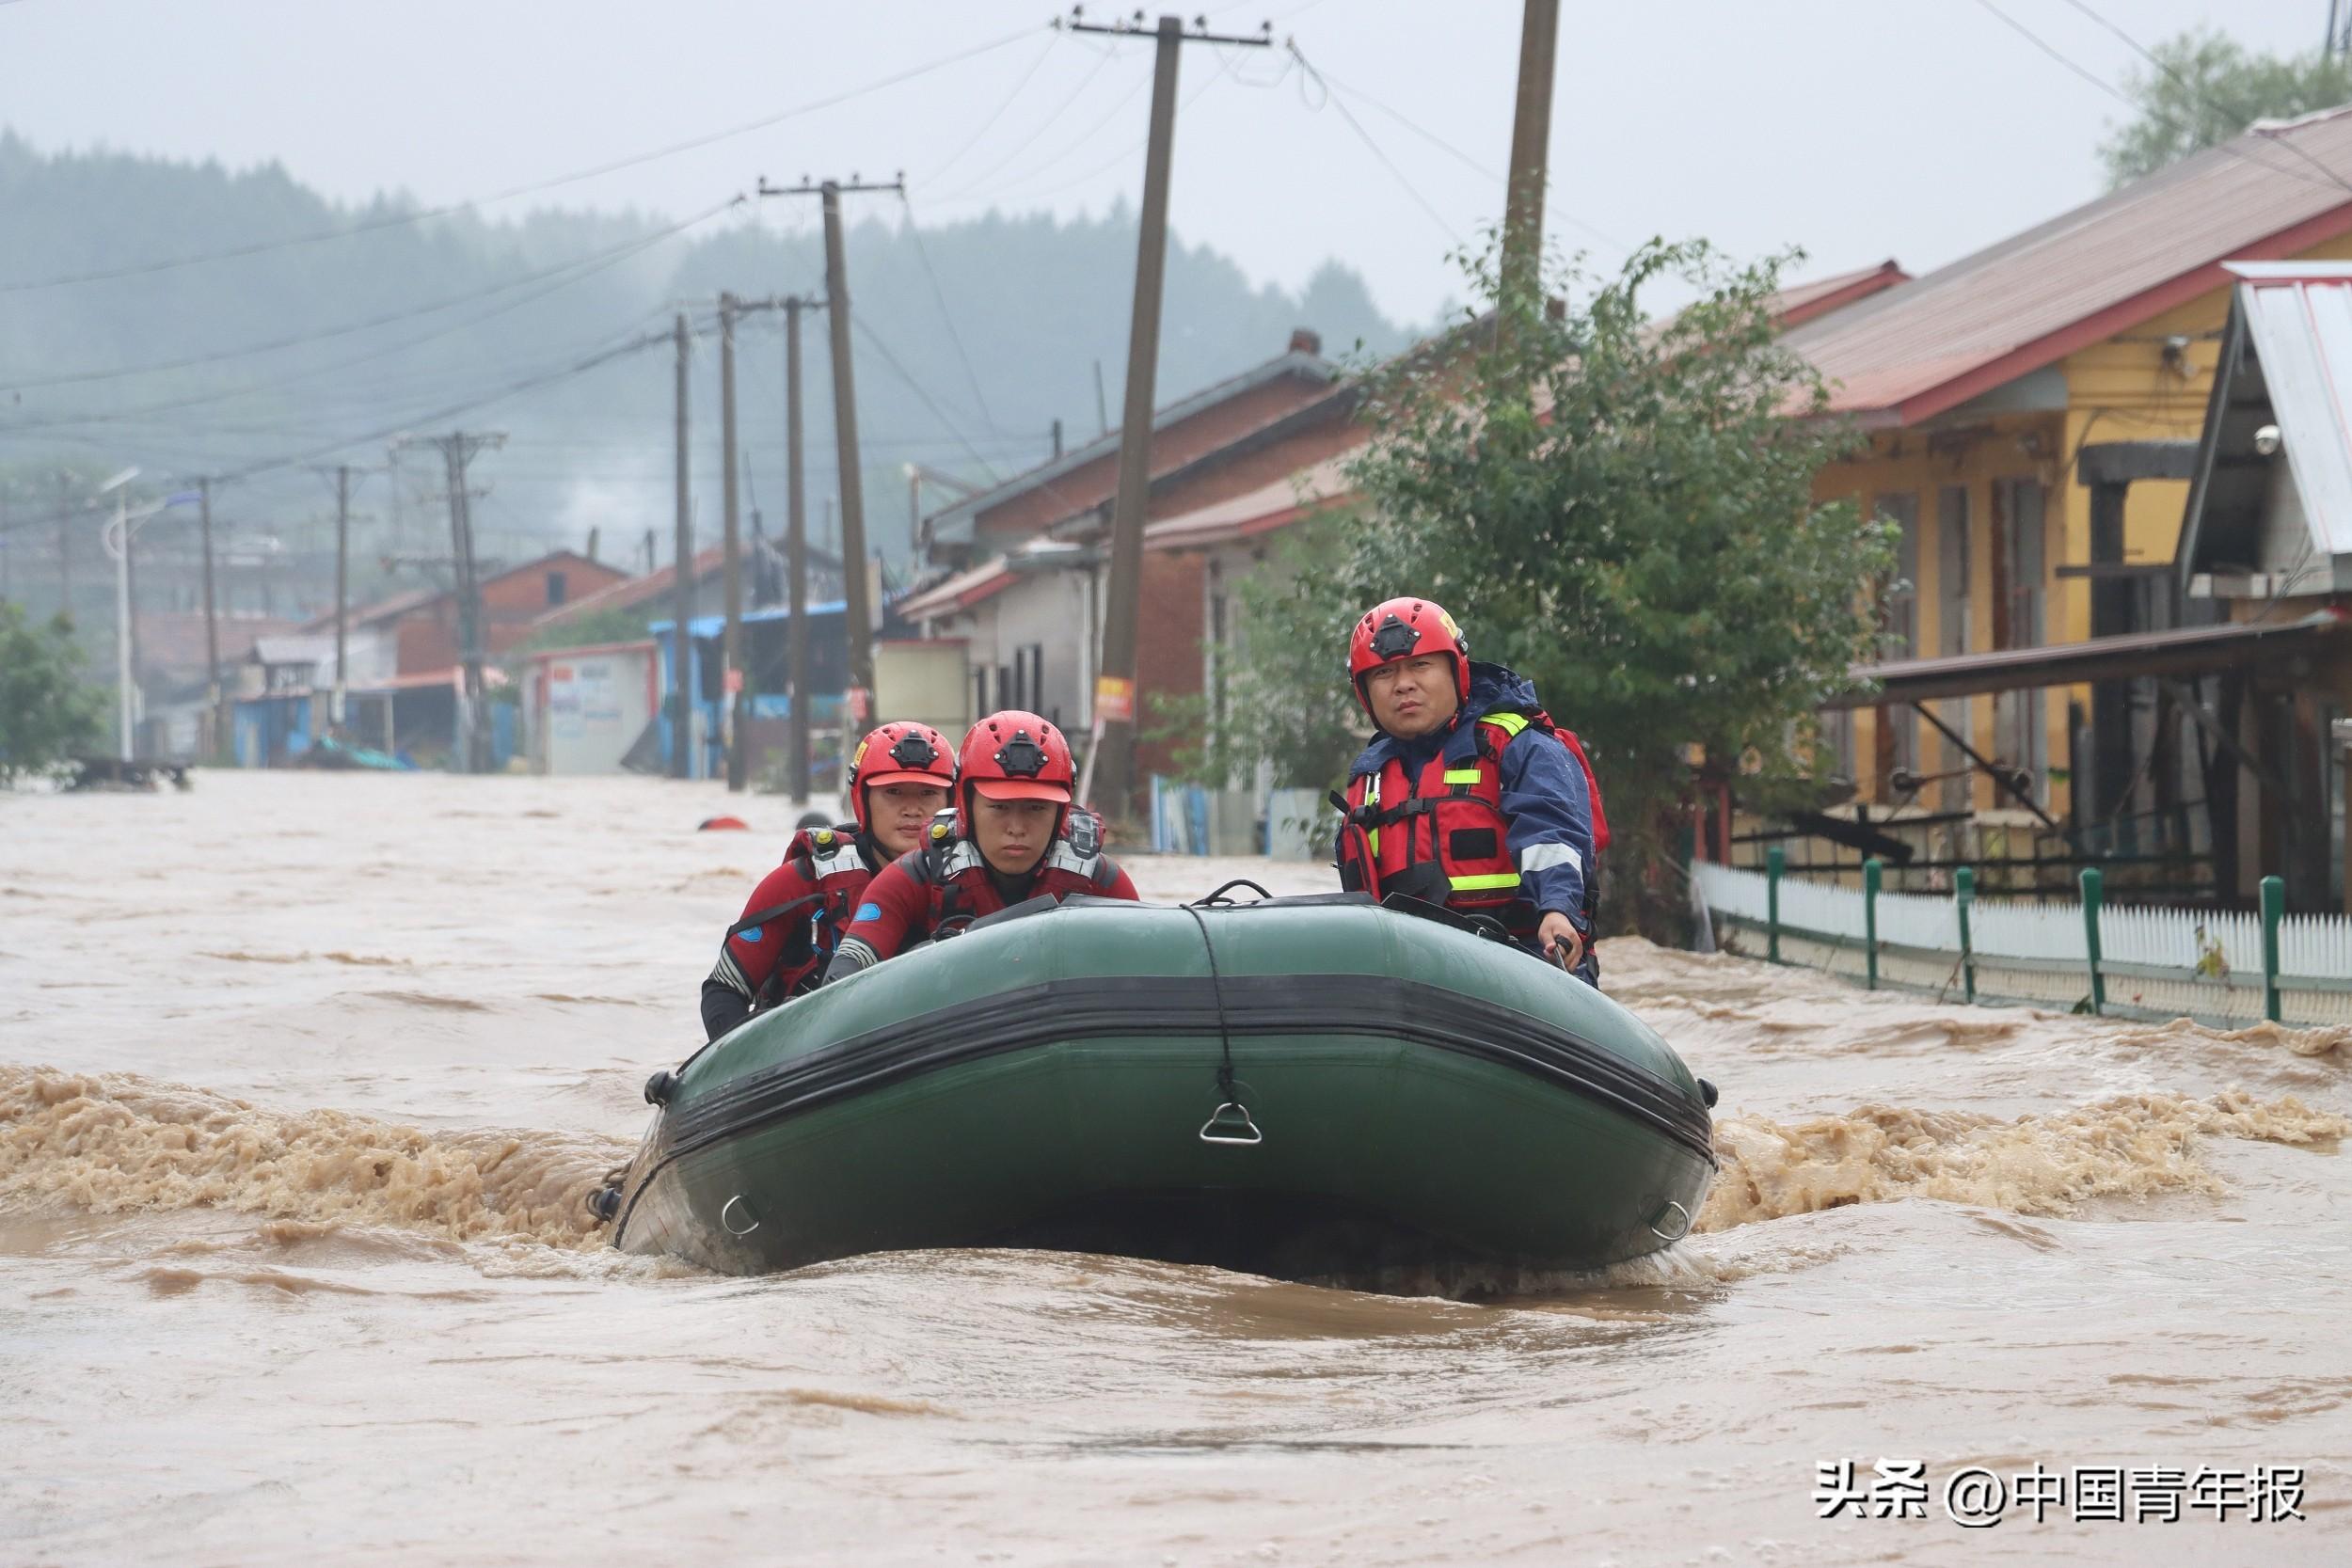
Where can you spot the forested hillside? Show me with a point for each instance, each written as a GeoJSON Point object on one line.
{"type": "Point", "coordinates": [973, 339]}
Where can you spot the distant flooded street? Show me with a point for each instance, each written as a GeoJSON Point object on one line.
{"type": "Point", "coordinates": [304, 1079]}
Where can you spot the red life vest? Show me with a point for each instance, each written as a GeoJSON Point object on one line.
{"type": "Point", "coordinates": [951, 868]}
{"type": "Point", "coordinates": [831, 862]}
{"type": "Point", "coordinates": [834, 861]}
{"type": "Point", "coordinates": [1443, 836]}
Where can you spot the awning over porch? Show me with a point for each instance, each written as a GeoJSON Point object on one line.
{"type": "Point", "coordinates": [2188, 651]}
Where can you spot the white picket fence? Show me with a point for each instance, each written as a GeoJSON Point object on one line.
{"type": "Point", "coordinates": [2152, 961]}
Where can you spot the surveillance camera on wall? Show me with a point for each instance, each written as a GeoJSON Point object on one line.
{"type": "Point", "coordinates": [2267, 440]}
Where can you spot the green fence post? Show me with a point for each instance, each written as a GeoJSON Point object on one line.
{"type": "Point", "coordinates": [2091, 886]}
{"type": "Point", "coordinates": [2274, 908]}
{"type": "Point", "coordinates": [1775, 862]}
{"type": "Point", "coordinates": [1872, 870]}
{"type": "Point", "coordinates": [1964, 893]}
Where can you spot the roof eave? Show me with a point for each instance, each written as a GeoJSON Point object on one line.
{"type": "Point", "coordinates": [2176, 290]}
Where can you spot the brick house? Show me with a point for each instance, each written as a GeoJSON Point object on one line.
{"type": "Point", "coordinates": [1028, 560]}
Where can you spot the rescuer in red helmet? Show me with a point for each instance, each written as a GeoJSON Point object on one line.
{"type": "Point", "coordinates": [899, 777]}
{"type": "Point", "coordinates": [1468, 796]}
{"type": "Point", "coordinates": [1016, 836]}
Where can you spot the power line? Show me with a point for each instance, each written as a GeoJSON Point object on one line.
{"type": "Point", "coordinates": [916, 388]}
{"type": "Point", "coordinates": [971, 377]}
{"type": "Point", "coordinates": [1438, 142]}
{"type": "Point", "coordinates": [2128, 102]}
{"type": "Point", "coordinates": [2227, 111]}
{"type": "Point", "coordinates": [1052, 39]}
{"type": "Point", "coordinates": [1124, 155]}
{"type": "Point", "coordinates": [122, 415]}
{"type": "Point", "coordinates": [434, 417]}
{"type": "Point", "coordinates": [422, 214]}
{"type": "Point", "coordinates": [982, 179]}
{"type": "Point", "coordinates": [1365, 137]}
{"type": "Point", "coordinates": [628, 247]}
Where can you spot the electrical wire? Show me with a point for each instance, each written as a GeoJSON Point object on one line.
{"type": "Point", "coordinates": [434, 416]}
{"type": "Point", "coordinates": [2226, 110]}
{"type": "Point", "coordinates": [979, 180]}
{"type": "Point", "coordinates": [1365, 137]}
{"type": "Point", "coordinates": [1124, 155]}
{"type": "Point", "coordinates": [1446, 146]}
{"type": "Point", "coordinates": [2136, 106]}
{"type": "Point", "coordinates": [971, 377]}
{"type": "Point", "coordinates": [123, 416]}
{"type": "Point", "coordinates": [1052, 39]}
{"type": "Point", "coordinates": [617, 252]}
{"type": "Point", "coordinates": [422, 214]}
{"type": "Point", "coordinates": [916, 388]}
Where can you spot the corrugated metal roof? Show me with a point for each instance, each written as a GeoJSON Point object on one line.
{"type": "Point", "coordinates": [2300, 321]}
{"type": "Point", "coordinates": [1800, 302]}
{"type": "Point", "coordinates": [1963, 329]}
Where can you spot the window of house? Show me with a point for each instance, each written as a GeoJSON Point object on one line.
{"type": "Point", "coordinates": [556, 588]}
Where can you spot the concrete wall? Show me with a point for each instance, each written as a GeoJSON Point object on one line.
{"type": "Point", "coordinates": [589, 708]}
{"type": "Point", "coordinates": [927, 682]}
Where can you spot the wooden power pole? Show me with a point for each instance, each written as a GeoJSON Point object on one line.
{"type": "Point", "coordinates": [795, 555]}
{"type": "Point", "coordinates": [457, 449]}
{"type": "Point", "coordinates": [215, 742]}
{"type": "Point", "coordinates": [681, 636]}
{"type": "Point", "coordinates": [1112, 766]}
{"type": "Point", "coordinates": [342, 586]}
{"type": "Point", "coordinates": [738, 697]}
{"type": "Point", "coordinates": [858, 613]}
{"type": "Point", "coordinates": [1531, 136]}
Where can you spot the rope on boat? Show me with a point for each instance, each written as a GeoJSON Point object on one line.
{"type": "Point", "coordinates": [1228, 1088]}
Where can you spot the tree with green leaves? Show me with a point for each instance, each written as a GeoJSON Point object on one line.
{"type": "Point", "coordinates": [1618, 508]}
{"type": "Point", "coordinates": [2205, 88]}
{"type": "Point", "coordinates": [46, 712]}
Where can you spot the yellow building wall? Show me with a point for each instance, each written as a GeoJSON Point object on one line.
{"type": "Point", "coordinates": [2119, 390]}
{"type": "Point", "coordinates": [1923, 463]}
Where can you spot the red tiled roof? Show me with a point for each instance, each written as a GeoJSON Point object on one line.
{"type": "Point", "coordinates": [1924, 346]}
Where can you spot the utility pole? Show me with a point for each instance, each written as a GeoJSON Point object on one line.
{"type": "Point", "coordinates": [1522, 267]}
{"type": "Point", "coordinates": [681, 639]}
{"type": "Point", "coordinates": [457, 449]}
{"type": "Point", "coordinates": [343, 580]}
{"type": "Point", "coordinates": [795, 554]}
{"type": "Point", "coordinates": [216, 732]}
{"type": "Point", "coordinates": [731, 650]}
{"type": "Point", "coordinates": [1112, 764]}
{"type": "Point", "coordinates": [65, 545]}
{"type": "Point", "coordinates": [858, 614]}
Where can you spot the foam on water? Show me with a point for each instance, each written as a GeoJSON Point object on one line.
{"type": "Point", "coordinates": [115, 1143]}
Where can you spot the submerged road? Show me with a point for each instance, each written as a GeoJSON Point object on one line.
{"type": "Point", "coordinates": [303, 1079]}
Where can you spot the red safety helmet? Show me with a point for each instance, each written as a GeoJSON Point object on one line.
{"type": "Point", "coordinates": [1013, 755]}
{"type": "Point", "coordinates": [902, 753]}
{"type": "Point", "coordinates": [1402, 628]}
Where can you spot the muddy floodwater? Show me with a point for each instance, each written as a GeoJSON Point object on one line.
{"type": "Point", "coordinates": [303, 1080]}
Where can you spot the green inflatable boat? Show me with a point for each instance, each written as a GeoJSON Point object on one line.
{"type": "Point", "coordinates": [1318, 1088]}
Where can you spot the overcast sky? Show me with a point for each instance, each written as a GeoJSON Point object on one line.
{"type": "Point", "coordinates": [1859, 129]}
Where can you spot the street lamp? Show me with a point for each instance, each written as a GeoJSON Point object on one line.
{"type": "Point", "coordinates": [117, 539]}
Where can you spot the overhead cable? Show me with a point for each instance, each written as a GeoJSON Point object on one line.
{"type": "Point", "coordinates": [398, 220]}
